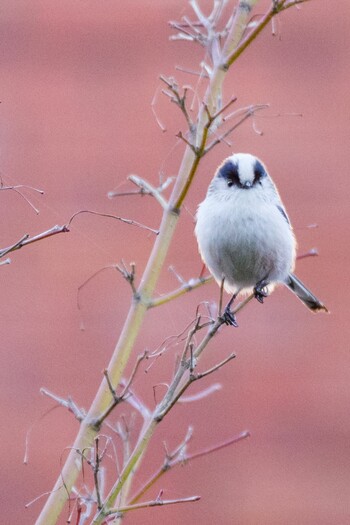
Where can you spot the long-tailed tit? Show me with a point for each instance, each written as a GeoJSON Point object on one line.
{"type": "Point", "coordinates": [244, 234]}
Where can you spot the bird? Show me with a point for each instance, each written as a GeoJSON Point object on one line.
{"type": "Point", "coordinates": [244, 235]}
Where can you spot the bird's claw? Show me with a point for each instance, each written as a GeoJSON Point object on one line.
{"type": "Point", "coordinates": [260, 291]}
{"type": "Point", "coordinates": [229, 318]}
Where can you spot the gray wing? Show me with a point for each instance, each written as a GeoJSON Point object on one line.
{"type": "Point", "coordinates": [283, 212]}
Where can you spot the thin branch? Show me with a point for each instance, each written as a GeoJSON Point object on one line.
{"type": "Point", "coordinates": [190, 72]}
{"type": "Point", "coordinates": [180, 136]}
{"type": "Point", "coordinates": [29, 432]}
{"type": "Point", "coordinates": [27, 505]}
{"type": "Point", "coordinates": [109, 215]}
{"type": "Point", "coordinates": [220, 446]}
{"type": "Point", "coordinates": [96, 473]}
{"type": "Point", "coordinates": [126, 390]}
{"type": "Point", "coordinates": [152, 503]}
{"type": "Point", "coordinates": [212, 118]}
{"type": "Point", "coordinates": [139, 360]}
{"type": "Point", "coordinates": [153, 108]}
{"type": "Point", "coordinates": [14, 246]}
{"type": "Point", "coordinates": [129, 276]}
{"type": "Point", "coordinates": [202, 394]}
{"type": "Point", "coordinates": [191, 379]}
{"type": "Point", "coordinates": [179, 100]}
{"type": "Point", "coordinates": [311, 253]}
{"type": "Point", "coordinates": [185, 458]}
{"type": "Point", "coordinates": [195, 377]}
{"type": "Point", "coordinates": [147, 188]}
{"type": "Point", "coordinates": [26, 239]}
{"type": "Point", "coordinates": [184, 363]}
{"type": "Point", "coordinates": [78, 413]}
{"type": "Point", "coordinates": [23, 186]}
{"type": "Point", "coordinates": [249, 112]}
{"type": "Point", "coordinates": [17, 186]}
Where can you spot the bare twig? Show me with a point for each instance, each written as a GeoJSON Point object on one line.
{"type": "Point", "coordinates": [191, 378]}
{"type": "Point", "coordinates": [42, 495]}
{"type": "Point", "coordinates": [190, 72]}
{"type": "Point", "coordinates": [26, 239]}
{"type": "Point", "coordinates": [153, 108]}
{"type": "Point", "coordinates": [68, 403]}
{"type": "Point", "coordinates": [14, 246]}
{"type": "Point", "coordinates": [96, 470]}
{"type": "Point", "coordinates": [139, 360]}
{"type": "Point", "coordinates": [110, 216]}
{"type": "Point", "coordinates": [22, 186]}
{"type": "Point", "coordinates": [248, 112]}
{"type": "Point", "coordinates": [16, 188]}
{"type": "Point", "coordinates": [182, 458]}
{"type": "Point", "coordinates": [313, 252]}
{"type": "Point", "coordinates": [29, 431]}
{"type": "Point", "coordinates": [126, 390]}
{"type": "Point", "coordinates": [129, 276]}
{"type": "Point", "coordinates": [153, 503]}
{"type": "Point", "coordinates": [147, 189]}
{"type": "Point", "coordinates": [215, 387]}
{"type": "Point", "coordinates": [179, 100]}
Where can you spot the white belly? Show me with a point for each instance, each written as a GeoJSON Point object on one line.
{"type": "Point", "coordinates": [246, 247]}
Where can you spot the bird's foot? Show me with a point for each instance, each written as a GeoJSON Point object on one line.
{"type": "Point", "coordinates": [260, 290]}
{"type": "Point", "coordinates": [229, 317]}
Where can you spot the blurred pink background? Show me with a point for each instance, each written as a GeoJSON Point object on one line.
{"type": "Point", "coordinates": [77, 83]}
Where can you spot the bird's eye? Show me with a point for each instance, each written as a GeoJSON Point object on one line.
{"type": "Point", "coordinates": [229, 172]}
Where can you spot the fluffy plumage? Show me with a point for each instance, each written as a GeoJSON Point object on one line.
{"type": "Point", "coordinates": [244, 234]}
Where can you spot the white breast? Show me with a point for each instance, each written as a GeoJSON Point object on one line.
{"type": "Point", "coordinates": [244, 241]}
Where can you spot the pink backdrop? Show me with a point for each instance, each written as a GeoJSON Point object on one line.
{"type": "Point", "coordinates": [77, 83]}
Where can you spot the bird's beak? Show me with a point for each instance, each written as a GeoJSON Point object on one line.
{"type": "Point", "coordinates": [248, 184]}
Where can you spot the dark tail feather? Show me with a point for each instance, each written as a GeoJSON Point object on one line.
{"type": "Point", "coordinates": [304, 294]}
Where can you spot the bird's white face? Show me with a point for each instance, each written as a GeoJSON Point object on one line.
{"type": "Point", "coordinates": [239, 173]}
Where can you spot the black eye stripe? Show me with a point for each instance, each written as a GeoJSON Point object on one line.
{"type": "Point", "coordinates": [229, 172]}
{"type": "Point", "coordinates": [259, 172]}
